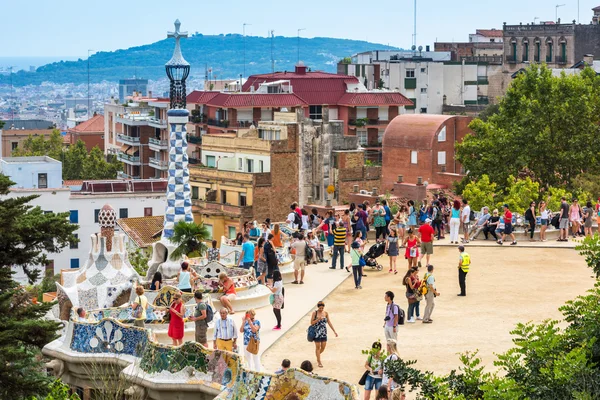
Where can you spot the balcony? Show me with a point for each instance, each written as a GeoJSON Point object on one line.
{"type": "Point", "coordinates": [157, 122]}
{"type": "Point", "coordinates": [195, 139]}
{"type": "Point", "coordinates": [133, 119]}
{"type": "Point", "coordinates": [193, 160]}
{"type": "Point", "coordinates": [223, 123]}
{"type": "Point", "coordinates": [227, 209]}
{"type": "Point", "coordinates": [157, 144]}
{"type": "Point", "coordinates": [129, 159]}
{"type": "Point", "coordinates": [367, 122]}
{"type": "Point", "coordinates": [130, 140]}
{"type": "Point", "coordinates": [198, 119]}
{"type": "Point", "coordinates": [483, 100]}
{"type": "Point", "coordinates": [159, 164]}
{"type": "Point", "coordinates": [511, 59]}
{"type": "Point", "coordinates": [561, 60]}
{"type": "Point", "coordinates": [123, 175]}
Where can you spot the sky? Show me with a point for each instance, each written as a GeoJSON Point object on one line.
{"type": "Point", "coordinates": [69, 28]}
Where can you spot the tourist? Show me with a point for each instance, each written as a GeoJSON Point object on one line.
{"type": "Point", "coordinates": [313, 218]}
{"type": "Point", "coordinates": [412, 248]}
{"type": "Point", "coordinates": [320, 319]}
{"type": "Point", "coordinates": [588, 213]}
{"type": "Point", "coordinates": [398, 394]}
{"type": "Point", "coordinates": [382, 393]}
{"type": "Point", "coordinates": [271, 256]}
{"type": "Point", "coordinates": [358, 239]}
{"type": "Point", "coordinates": [464, 261]}
{"type": "Point", "coordinates": [213, 254]}
{"type": "Point", "coordinates": [277, 290]}
{"type": "Point", "coordinates": [247, 256]}
{"type": "Point", "coordinates": [392, 316]}
{"type": "Point", "coordinates": [278, 236]}
{"type": "Point", "coordinates": [388, 216]}
{"type": "Point", "coordinates": [140, 301]}
{"type": "Point", "coordinates": [426, 233]}
{"type": "Point", "coordinates": [307, 367]}
{"type": "Point", "coordinates": [293, 219]}
{"type": "Point", "coordinates": [186, 278]}
{"type": "Point", "coordinates": [316, 246]}
{"type": "Point", "coordinates": [530, 218]}
{"type": "Point", "coordinates": [225, 335]}
{"type": "Point", "coordinates": [454, 222]}
{"type": "Point", "coordinates": [369, 217]}
{"type": "Point", "coordinates": [299, 249]}
{"type": "Point", "coordinates": [575, 217]}
{"type": "Point", "coordinates": [482, 222]}
{"type": "Point", "coordinates": [176, 325]}
{"type": "Point", "coordinates": [423, 211]}
{"type": "Point", "coordinates": [356, 256]}
{"type": "Point", "coordinates": [545, 220]}
{"type": "Point", "coordinates": [564, 220]}
{"type": "Point", "coordinates": [492, 225]}
{"type": "Point", "coordinates": [261, 261]}
{"type": "Point", "coordinates": [363, 225]}
{"type": "Point", "coordinates": [432, 293]}
{"type": "Point", "coordinates": [392, 248]}
{"type": "Point", "coordinates": [392, 351]}
{"type": "Point", "coordinates": [304, 218]}
{"type": "Point", "coordinates": [250, 328]}
{"type": "Point", "coordinates": [254, 232]}
{"type": "Point", "coordinates": [412, 215]}
{"type": "Point", "coordinates": [378, 214]}
{"type": "Point", "coordinates": [239, 239]}
{"type": "Point", "coordinates": [374, 365]}
{"type": "Point", "coordinates": [411, 281]}
{"type": "Point", "coordinates": [437, 218]}
{"type": "Point", "coordinates": [508, 229]}
{"type": "Point", "coordinates": [199, 318]}
{"type": "Point", "coordinates": [400, 219]}
{"type": "Point", "coordinates": [346, 222]}
{"type": "Point", "coordinates": [465, 218]}
{"type": "Point", "coordinates": [156, 281]}
{"type": "Point", "coordinates": [339, 245]}
{"type": "Point", "coordinates": [229, 292]}
{"type": "Point", "coordinates": [264, 231]}
{"type": "Point", "coordinates": [81, 316]}
{"type": "Point", "coordinates": [285, 365]}
{"type": "Point", "coordinates": [330, 223]}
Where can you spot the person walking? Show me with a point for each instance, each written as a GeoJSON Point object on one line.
{"type": "Point", "coordinates": [531, 220]}
{"type": "Point", "coordinates": [176, 325]}
{"type": "Point", "coordinates": [229, 292]}
{"type": "Point", "coordinates": [426, 233]}
{"type": "Point", "coordinates": [392, 248]}
{"type": "Point", "coordinates": [432, 293]}
{"type": "Point", "coordinates": [401, 219]}
{"type": "Point", "coordinates": [347, 225]}
{"type": "Point", "coordinates": [320, 319]}
{"type": "Point", "coordinates": [564, 220]}
{"type": "Point", "coordinates": [492, 225]}
{"type": "Point", "coordinates": [277, 290]}
{"type": "Point", "coordinates": [199, 317]}
{"type": "Point", "coordinates": [379, 214]}
{"type": "Point", "coordinates": [330, 223]}
{"type": "Point", "coordinates": [411, 294]}
{"type": "Point", "coordinates": [464, 261]}
{"type": "Point", "coordinates": [271, 257]}
{"type": "Point", "coordinates": [225, 332]}
{"type": "Point", "coordinates": [140, 301]}
{"type": "Point", "coordinates": [437, 217]}
{"type": "Point", "coordinates": [339, 245]}
{"type": "Point", "coordinates": [250, 328]}
{"type": "Point", "coordinates": [588, 215]}
{"type": "Point", "coordinates": [247, 256]}
{"type": "Point", "coordinates": [362, 223]}
{"type": "Point", "coordinates": [261, 261]}
{"type": "Point", "coordinates": [454, 222]}
{"type": "Point", "coordinates": [508, 228]}
{"type": "Point", "coordinates": [412, 215]}
{"type": "Point", "coordinates": [545, 220]}
{"type": "Point", "coordinates": [392, 317]}
{"type": "Point", "coordinates": [374, 365]}
{"type": "Point", "coordinates": [465, 219]}
{"type": "Point", "coordinates": [299, 248]}
{"type": "Point", "coordinates": [357, 269]}
{"type": "Point", "coordinates": [575, 218]}
{"type": "Point", "coordinates": [412, 248]}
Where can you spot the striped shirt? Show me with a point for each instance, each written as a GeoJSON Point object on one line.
{"type": "Point", "coordinates": [225, 329]}
{"type": "Point", "coordinates": [339, 236]}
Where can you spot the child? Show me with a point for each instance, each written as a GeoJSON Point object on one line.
{"type": "Point", "coordinates": [464, 262]}
{"type": "Point", "coordinates": [285, 364]}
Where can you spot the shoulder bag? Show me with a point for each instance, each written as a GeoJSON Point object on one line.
{"type": "Point", "coordinates": [253, 345]}
{"type": "Point", "coordinates": [137, 313]}
{"type": "Point", "coordinates": [311, 331]}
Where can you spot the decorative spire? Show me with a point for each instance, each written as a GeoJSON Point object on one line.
{"type": "Point", "coordinates": [177, 58]}
{"type": "Point", "coordinates": [177, 70]}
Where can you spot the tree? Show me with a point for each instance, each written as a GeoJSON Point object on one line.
{"type": "Point", "coordinates": [480, 193]}
{"type": "Point", "coordinates": [40, 146]}
{"type": "Point", "coordinates": [520, 192]}
{"type": "Point", "coordinates": [25, 234]}
{"type": "Point", "coordinates": [74, 160]}
{"type": "Point", "coordinates": [546, 128]}
{"type": "Point", "coordinates": [189, 238]}
{"type": "Point", "coordinates": [1, 124]}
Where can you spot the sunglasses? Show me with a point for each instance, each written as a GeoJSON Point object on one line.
{"type": "Point", "coordinates": [320, 305]}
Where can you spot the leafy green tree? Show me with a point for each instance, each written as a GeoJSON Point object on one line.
{"type": "Point", "coordinates": [553, 197]}
{"type": "Point", "coordinates": [520, 192]}
{"type": "Point", "coordinates": [25, 234]}
{"type": "Point", "coordinates": [40, 146]}
{"type": "Point", "coordinates": [546, 128]}
{"type": "Point", "coordinates": [589, 183]}
{"type": "Point", "coordinates": [74, 161]}
{"type": "Point", "coordinates": [1, 124]}
{"type": "Point", "coordinates": [58, 391]}
{"type": "Point", "coordinates": [189, 238]}
{"type": "Point", "coordinates": [481, 192]}
{"type": "Point", "coordinates": [139, 260]}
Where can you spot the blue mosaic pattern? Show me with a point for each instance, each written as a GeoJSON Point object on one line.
{"type": "Point", "coordinates": [154, 314]}
{"type": "Point", "coordinates": [179, 193]}
{"type": "Point", "coordinates": [108, 336]}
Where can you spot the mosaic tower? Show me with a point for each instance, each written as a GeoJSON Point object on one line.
{"type": "Point", "coordinates": [179, 198]}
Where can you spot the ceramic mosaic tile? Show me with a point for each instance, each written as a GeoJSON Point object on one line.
{"type": "Point", "coordinates": [108, 336]}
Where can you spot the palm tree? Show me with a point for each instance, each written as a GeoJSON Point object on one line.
{"type": "Point", "coordinates": [189, 238]}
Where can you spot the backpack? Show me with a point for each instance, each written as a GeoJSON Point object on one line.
{"type": "Point", "coordinates": [555, 221]}
{"type": "Point", "coordinates": [297, 220]}
{"type": "Point", "coordinates": [423, 289]}
{"type": "Point", "coordinates": [210, 314]}
{"type": "Point", "coordinates": [308, 252]}
{"type": "Point", "coordinates": [438, 215]}
{"type": "Point", "coordinates": [400, 313]}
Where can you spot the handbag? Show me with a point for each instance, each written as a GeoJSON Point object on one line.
{"type": "Point", "coordinates": [361, 261]}
{"type": "Point", "coordinates": [311, 332]}
{"type": "Point", "coordinates": [363, 378]}
{"type": "Point", "coordinates": [272, 299]}
{"type": "Point", "coordinates": [253, 344]}
{"type": "Point", "coordinates": [137, 313]}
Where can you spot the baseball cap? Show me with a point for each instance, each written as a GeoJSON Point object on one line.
{"type": "Point", "coordinates": [505, 206]}
{"type": "Point", "coordinates": [355, 245]}
{"type": "Point", "coordinates": [428, 220]}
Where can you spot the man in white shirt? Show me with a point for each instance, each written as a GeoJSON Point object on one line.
{"type": "Point", "coordinates": [465, 217]}
{"type": "Point", "coordinates": [225, 337]}
{"type": "Point", "coordinates": [290, 220]}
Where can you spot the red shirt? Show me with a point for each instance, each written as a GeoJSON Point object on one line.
{"type": "Point", "coordinates": [426, 232]}
{"type": "Point", "coordinates": [298, 211]}
{"type": "Point", "coordinates": [507, 217]}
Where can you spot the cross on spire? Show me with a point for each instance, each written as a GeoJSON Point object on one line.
{"type": "Point", "coordinates": [177, 34]}
{"type": "Point", "coordinates": [177, 58]}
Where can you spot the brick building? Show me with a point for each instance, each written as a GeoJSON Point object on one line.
{"type": "Point", "coordinates": [422, 146]}
{"type": "Point", "coordinates": [91, 132]}
{"type": "Point", "coordinates": [10, 139]}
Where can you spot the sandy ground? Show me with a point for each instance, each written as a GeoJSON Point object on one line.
{"type": "Point", "coordinates": [506, 285]}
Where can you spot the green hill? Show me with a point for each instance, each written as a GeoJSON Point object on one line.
{"type": "Point", "coordinates": [224, 53]}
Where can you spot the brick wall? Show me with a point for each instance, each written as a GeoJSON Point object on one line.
{"type": "Point", "coordinates": [410, 191]}
{"type": "Point", "coordinates": [90, 139]}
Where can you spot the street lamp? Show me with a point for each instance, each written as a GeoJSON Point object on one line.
{"type": "Point", "coordinates": [244, 31]}
{"type": "Point", "coordinates": [88, 73]}
{"type": "Point", "coordinates": [556, 12]}
{"type": "Point", "coordinates": [299, 30]}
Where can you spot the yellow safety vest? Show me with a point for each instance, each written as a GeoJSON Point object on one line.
{"type": "Point", "coordinates": [466, 261]}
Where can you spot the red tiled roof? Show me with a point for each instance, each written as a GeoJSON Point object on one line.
{"type": "Point", "coordinates": [200, 96]}
{"type": "Point", "coordinates": [256, 100]}
{"type": "Point", "coordinates": [142, 230]}
{"type": "Point", "coordinates": [94, 124]}
{"type": "Point", "coordinates": [489, 32]}
{"type": "Point", "coordinates": [374, 99]}
{"type": "Point", "coordinates": [414, 131]}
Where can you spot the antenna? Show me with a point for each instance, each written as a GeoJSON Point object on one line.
{"type": "Point", "coordinates": [415, 26]}
{"type": "Point", "coordinates": [272, 34]}
{"type": "Point", "coordinates": [88, 91]}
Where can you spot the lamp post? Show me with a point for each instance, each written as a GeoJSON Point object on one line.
{"type": "Point", "coordinates": [88, 74]}
{"type": "Point", "coordinates": [556, 12]}
{"type": "Point", "coordinates": [299, 30]}
{"type": "Point", "coordinates": [244, 31]}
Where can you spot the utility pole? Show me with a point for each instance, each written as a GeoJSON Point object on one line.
{"type": "Point", "coordinates": [88, 91]}
{"type": "Point", "coordinates": [12, 95]}
{"type": "Point", "coordinates": [415, 26]}
{"type": "Point", "coordinates": [272, 59]}
{"type": "Point", "coordinates": [299, 30]}
{"type": "Point", "coordinates": [556, 12]}
{"type": "Point", "coordinates": [244, 31]}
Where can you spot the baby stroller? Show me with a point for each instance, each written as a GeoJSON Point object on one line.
{"type": "Point", "coordinates": [370, 256]}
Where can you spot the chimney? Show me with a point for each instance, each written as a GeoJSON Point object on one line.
{"type": "Point", "coordinates": [150, 93]}
{"type": "Point", "coordinates": [419, 180]}
{"type": "Point", "coordinates": [355, 188]}
{"type": "Point", "coordinates": [325, 114]}
{"type": "Point", "coordinates": [309, 200]}
{"type": "Point", "coordinates": [588, 59]}
{"type": "Point", "coordinates": [300, 68]}
{"type": "Point", "coordinates": [400, 178]}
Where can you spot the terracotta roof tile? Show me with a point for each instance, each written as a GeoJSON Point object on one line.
{"type": "Point", "coordinates": [374, 99]}
{"type": "Point", "coordinates": [414, 131]}
{"type": "Point", "coordinates": [200, 96]}
{"type": "Point", "coordinates": [256, 100]}
{"type": "Point", "coordinates": [142, 230]}
{"type": "Point", "coordinates": [94, 124]}
{"type": "Point", "coordinates": [489, 32]}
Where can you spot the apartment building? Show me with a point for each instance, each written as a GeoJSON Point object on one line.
{"type": "Point", "coordinates": [91, 132]}
{"type": "Point", "coordinates": [10, 139]}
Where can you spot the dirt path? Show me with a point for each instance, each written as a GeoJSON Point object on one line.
{"type": "Point", "coordinates": [506, 285]}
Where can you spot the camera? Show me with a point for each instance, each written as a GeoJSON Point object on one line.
{"type": "Point", "coordinates": [387, 318]}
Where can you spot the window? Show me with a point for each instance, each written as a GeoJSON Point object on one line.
{"type": "Point", "coordinates": [43, 181]}
{"type": "Point", "coordinates": [410, 72]}
{"type": "Point", "coordinates": [209, 228]}
{"type": "Point", "coordinates": [269, 134]}
{"type": "Point", "coordinates": [442, 135]}
{"type": "Point", "coordinates": [75, 243]}
{"type": "Point", "coordinates": [74, 216]}
{"type": "Point", "coordinates": [195, 192]}
{"type": "Point", "coordinates": [123, 212]}
{"type": "Point", "coordinates": [261, 166]}
{"type": "Point", "coordinates": [423, 90]}
{"type": "Point", "coordinates": [423, 110]}
{"type": "Point", "coordinates": [317, 192]}
{"type": "Point", "coordinates": [240, 164]}
{"type": "Point", "coordinates": [147, 211]}
{"type": "Point", "coordinates": [250, 165]}
{"type": "Point", "coordinates": [224, 196]}
{"type": "Point", "coordinates": [362, 137]}
{"type": "Point", "coordinates": [242, 200]}
{"type": "Point", "coordinates": [380, 137]}
{"type": "Point", "coordinates": [96, 212]}
{"type": "Point", "coordinates": [441, 158]}
{"type": "Point", "coordinates": [413, 157]}
{"type": "Point", "coordinates": [211, 162]}
{"type": "Point", "coordinates": [232, 232]}
{"type": "Point", "coordinates": [74, 262]}
{"type": "Point", "coordinates": [316, 112]}
{"type": "Point", "coordinates": [14, 145]}
{"type": "Point", "coordinates": [423, 70]}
